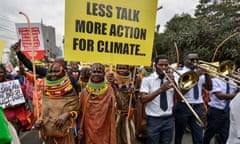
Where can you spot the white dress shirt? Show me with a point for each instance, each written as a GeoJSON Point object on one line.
{"type": "Point", "coordinates": [189, 96]}
{"type": "Point", "coordinates": [219, 86]}
{"type": "Point", "coordinates": [149, 85]}
{"type": "Point", "coordinates": [234, 131]}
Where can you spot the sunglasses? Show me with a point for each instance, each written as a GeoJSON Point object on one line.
{"type": "Point", "coordinates": [193, 59]}
{"type": "Point", "coordinates": [97, 71]}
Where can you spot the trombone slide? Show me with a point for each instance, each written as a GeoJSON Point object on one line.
{"type": "Point", "coordinates": [181, 95]}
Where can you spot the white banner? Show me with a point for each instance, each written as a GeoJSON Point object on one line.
{"type": "Point", "coordinates": [11, 93]}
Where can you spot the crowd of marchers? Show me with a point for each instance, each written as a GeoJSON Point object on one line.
{"type": "Point", "coordinates": [121, 104]}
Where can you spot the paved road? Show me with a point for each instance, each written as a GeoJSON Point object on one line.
{"type": "Point", "coordinates": [187, 139]}
{"type": "Point", "coordinates": [31, 137]}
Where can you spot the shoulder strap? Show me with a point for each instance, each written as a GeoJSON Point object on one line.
{"type": "Point", "coordinates": [73, 82]}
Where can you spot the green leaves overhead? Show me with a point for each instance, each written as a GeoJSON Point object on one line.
{"type": "Point", "coordinates": [213, 23]}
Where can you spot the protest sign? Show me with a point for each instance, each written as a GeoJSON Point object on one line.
{"type": "Point", "coordinates": [11, 93]}
{"type": "Point", "coordinates": [2, 45]}
{"type": "Point", "coordinates": [110, 31]}
{"type": "Point", "coordinates": [26, 43]}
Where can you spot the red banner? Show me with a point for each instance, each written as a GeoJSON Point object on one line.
{"type": "Point", "coordinates": [38, 55]}
{"type": "Point", "coordinates": [26, 41]}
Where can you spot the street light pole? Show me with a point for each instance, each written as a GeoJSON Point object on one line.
{"type": "Point", "coordinates": [160, 7]}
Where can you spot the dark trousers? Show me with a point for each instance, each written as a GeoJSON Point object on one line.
{"type": "Point", "coordinates": [218, 123]}
{"type": "Point", "coordinates": [184, 116]}
{"type": "Point", "coordinates": [159, 130]}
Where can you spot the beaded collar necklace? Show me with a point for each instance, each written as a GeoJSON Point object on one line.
{"type": "Point", "coordinates": [58, 87]}
{"type": "Point", "coordinates": [97, 88]}
{"type": "Point", "coordinates": [123, 83]}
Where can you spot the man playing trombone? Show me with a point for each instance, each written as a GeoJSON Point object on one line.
{"type": "Point", "coordinates": [157, 93]}
{"type": "Point", "coordinates": [218, 111]}
{"type": "Point", "coordinates": [188, 109]}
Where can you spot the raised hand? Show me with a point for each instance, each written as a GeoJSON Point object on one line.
{"type": "Point", "coordinates": [17, 46]}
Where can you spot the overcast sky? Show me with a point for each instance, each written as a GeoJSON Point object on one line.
{"type": "Point", "coordinates": [51, 12]}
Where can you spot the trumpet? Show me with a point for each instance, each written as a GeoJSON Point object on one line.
{"type": "Point", "coordinates": [191, 84]}
{"type": "Point", "coordinates": [221, 71]}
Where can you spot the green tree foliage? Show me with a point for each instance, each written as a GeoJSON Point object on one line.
{"type": "Point", "coordinates": [222, 20]}
{"type": "Point", "coordinates": [184, 31]}
{"type": "Point", "coordinates": [213, 23]}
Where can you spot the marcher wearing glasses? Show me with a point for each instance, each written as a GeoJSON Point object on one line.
{"type": "Point", "coordinates": [183, 116]}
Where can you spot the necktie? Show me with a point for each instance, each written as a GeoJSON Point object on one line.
{"type": "Point", "coordinates": [195, 91]}
{"type": "Point", "coordinates": [227, 92]}
{"type": "Point", "coordinates": [163, 99]}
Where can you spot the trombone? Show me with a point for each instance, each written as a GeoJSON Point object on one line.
{"type": "Point", "coordinates": [236, 73]}
{"type": "Point", "coordinates": [225, 68]}
{"type": "Point", "coordinates": [186, 81]}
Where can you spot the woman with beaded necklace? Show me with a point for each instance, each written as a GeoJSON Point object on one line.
{"type": "Point", "coordinates": [97, 106]}
{"type": "Point", "coordinates": [60, 100]}
{"type": "Point", "coordinates": [124, 88]}
{"type": "Point", "coordinates": [59, 107]}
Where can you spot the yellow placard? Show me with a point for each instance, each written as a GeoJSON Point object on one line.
{"type": "Point", "coordinates": [2, 45]}
{"type": "Point", "coordinates": [110, 31]}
